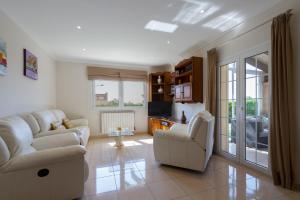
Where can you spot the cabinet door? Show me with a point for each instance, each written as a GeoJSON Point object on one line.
{"type": "Point", "coordinates": [178, 93]}
{"type": "Point", "coordinates": [187, 92]}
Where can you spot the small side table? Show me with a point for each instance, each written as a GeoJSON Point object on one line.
{"type": "Point", "coordinates": [118, 136]}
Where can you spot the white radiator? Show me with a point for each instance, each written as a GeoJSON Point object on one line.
{"type": "Point", "coordinates": [113, 119]}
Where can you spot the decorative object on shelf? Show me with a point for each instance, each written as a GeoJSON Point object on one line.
{"type": "Point", "coordinates": [30, 65]}
{"type": "Point", "coordinates": [159, 80]}
{"type": "Point", "coordinates": [3, 58]}
{"type": "Point", "coordinates": [183, 118]}
{"type": "Point", "coordinates": [191, 78]}
{"type": "Point", "coordinates": [154, 87]}
{"type": "Point", "coordinates": [160, 90]}
{"type": "Point", "coordinates": [179, 81]}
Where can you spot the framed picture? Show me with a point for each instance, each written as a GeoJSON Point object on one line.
{"type": "Point", "coordinates": [30, 65]}
{"type": "Point", "coordinates": [3, 58]}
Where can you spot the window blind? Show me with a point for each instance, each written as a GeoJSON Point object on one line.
{"type": "Point", "coordinates": [96, 73]}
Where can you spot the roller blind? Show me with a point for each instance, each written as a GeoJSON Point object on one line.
{"type": "Point", "coordinates": [96, 73]}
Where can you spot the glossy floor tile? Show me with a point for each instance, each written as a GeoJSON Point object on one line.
{"type": "Point", "coordinates": [131, 173]}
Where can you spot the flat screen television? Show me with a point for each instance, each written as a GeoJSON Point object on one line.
{"type": "Point", "coordinates": [160, 109]}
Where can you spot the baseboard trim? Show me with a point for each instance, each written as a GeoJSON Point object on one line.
{"type": "Point", "coordinates": [100, 136]}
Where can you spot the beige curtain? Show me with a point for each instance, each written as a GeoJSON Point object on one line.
{"type": "Point", "coordinates": [211, 97]}
{"type": "Point", "coordinates": [281, 125]}
{"type": "Point", "coordinates": [116, 74]}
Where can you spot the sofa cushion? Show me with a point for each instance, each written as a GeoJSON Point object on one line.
{"type": "Point", "coordinates": [17, 135]}
{"type": "Point", "coordinates": [4, 152]}
{"type": "Point", "coordinates": [59, 114]}
{"type": "Point", "coordinates": [32, 122]}
{"type": "Point", "coordinates": [45, 118]}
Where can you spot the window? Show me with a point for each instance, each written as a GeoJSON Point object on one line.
{"type": "Point", "coordinates": [133, 93]}
{"type": "Point", "coordinates": [114, 93]}
{"type": "Point", "coordinates": [107, 93]}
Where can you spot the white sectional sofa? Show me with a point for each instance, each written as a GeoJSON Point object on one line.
{"type": "Point", "coordinates": [36, 163]}
{"type": "Point", "coordinates": [40, 121]}
{"type": "Point", "coordinates": [187, 146]}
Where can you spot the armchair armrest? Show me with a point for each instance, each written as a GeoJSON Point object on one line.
{"type": "Point", "coordinates": [179, 128]}
{"type": "Point", "coordinates": [80, 122]}
{"type": "Point", "coordinates": [43, 158]}
{"type": "Point", "coordinates": [170, 135]}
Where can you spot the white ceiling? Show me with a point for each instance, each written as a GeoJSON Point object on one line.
{"type": "Point", "coordinates": [113, 30]}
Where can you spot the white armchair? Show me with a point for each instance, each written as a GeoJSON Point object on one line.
{"type": "Point", "coordinates": [52, 167]}
{"type": "Point", "coordinates": [187, 146]}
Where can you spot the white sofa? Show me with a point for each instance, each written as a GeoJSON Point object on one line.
{"type": "Point", "coordinates": [40, 122]}
{"type": "Point", "coordinates": [49, 167]}
{"type": "Point", "coordinates": [187, 146]}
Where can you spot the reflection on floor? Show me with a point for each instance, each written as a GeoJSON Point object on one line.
{"type": "Point", "coordinates": [131, 173]}
{"type": "Point", "coordinates": [258, 156]}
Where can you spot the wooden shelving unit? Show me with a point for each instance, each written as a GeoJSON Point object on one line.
{"type": "Point", "coordinates": [154, 86]}
{"type": "Point", "coordinates": [189, 80]}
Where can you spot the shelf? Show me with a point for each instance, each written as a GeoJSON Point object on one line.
{"type": "Point", "coordinates": [157, 84]}
{"type": "Point", "coordinates": [183, 74]}
{"type": "Point", "coordinates": [156, 93]}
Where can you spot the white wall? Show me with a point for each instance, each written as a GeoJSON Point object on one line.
{"type": "Point", "coordinates": [74, 96]}
{"type": "Point", "coordinates": [17, 92]}
{"type": "Point", "coordinates": [189, 110]}
{"type": "Point", "coordinates": [249, 35]}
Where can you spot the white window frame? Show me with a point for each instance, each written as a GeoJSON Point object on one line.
{"type": "Point", "coordinates": [121, 98]}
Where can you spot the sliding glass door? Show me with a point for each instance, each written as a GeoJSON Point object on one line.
{"type": "Point", "coordinates": [243, 111]}
{"type": "Point", "coordinates": [256, 114]}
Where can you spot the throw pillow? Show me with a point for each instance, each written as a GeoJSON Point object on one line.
{"type": "Point", "coordinates": [67, 123]}
{"type": "Point", "coordinates": [56, 125]}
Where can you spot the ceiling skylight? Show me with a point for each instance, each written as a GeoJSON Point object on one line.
{"type": "Point", "coordinates": [194, 11]}
{"type": "Point", "coordinates": [225, 22]}
{"type": "Point", "coordinates": [154, 25]}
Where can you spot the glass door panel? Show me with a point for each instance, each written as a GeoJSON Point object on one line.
{"type": "Point", "coordinates": [227, 102]}
{"type": "Point", "coordinates": [257, 109]}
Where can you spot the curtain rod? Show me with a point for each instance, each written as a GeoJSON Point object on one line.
{"type": "Point", "coordinates": [255, 27]}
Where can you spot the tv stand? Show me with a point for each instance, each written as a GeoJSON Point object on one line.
{"type": "Point", "coordinates": [155, 123]}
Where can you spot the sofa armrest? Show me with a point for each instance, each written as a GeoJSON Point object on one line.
{"type": "Point", "coordinates": [80, 122]}
{"type": "Point", "coordinates": [44, 158]}
{"type": "Point", "coordinates": [54, 141]}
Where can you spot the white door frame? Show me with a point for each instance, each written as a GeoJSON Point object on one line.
{"type": "Point", "coordinates": [220, 151]}
{"type": "Point", "coordinates": [240, 104]}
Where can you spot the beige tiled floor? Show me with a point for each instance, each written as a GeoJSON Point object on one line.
{"type": "Point", "coordinates": [131, 173]}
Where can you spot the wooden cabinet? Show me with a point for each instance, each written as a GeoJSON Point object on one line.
{"type": "Point", "coordinates": [189, 81]}
{"type": "Point", "coordinates": [178, 93]}
{"type": "Point", "coordinates": [160, 91]}
{"type": "Point", "coordinates": [155, 123]}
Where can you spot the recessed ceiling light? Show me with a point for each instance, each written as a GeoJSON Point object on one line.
{"type": "Point", "coordinates": [154, 25]}
{"type": "Point", "coordinates": [202, 11]}
{"type": "Point", "coordinates": [78, 27]}
{"type": "Point", "coordinates": [83, 49]}
{"type": "Point", "coordinates": [168, 42]}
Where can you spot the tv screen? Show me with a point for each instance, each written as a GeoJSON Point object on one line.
{"type": "Point", "coordinates": [160, 108]}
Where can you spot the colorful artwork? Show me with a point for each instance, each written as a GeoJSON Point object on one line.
{"type": "Point", "coordinates": [30, 65]}
{"type": "Point", "coordinates": [3, 58]}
